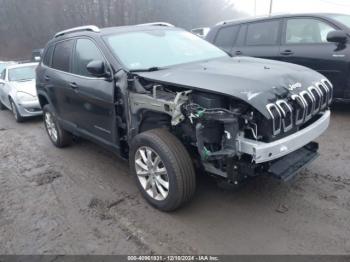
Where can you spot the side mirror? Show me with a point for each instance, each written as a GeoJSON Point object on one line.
{"type": "Point", "coordinates": [337, 36]}
{"type": "Point", "coordinates": [97, 68]}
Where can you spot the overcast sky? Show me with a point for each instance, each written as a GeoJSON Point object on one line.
{"type": "Point", "coordinates": [293, 6]}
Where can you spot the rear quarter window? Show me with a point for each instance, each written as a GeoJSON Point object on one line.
{"type": "Point", "coordinates": [62, 55]}
{"type": "Point", "coordinates": [226, 37]}
{"type": "Point", "coordinates": [263, 33]}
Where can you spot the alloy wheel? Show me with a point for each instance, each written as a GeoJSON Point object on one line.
{"type": "Point", "coordinates": [152, 173]}
{"type": "Point", "coordinates": [51, 126]}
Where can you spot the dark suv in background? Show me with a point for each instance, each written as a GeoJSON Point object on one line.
{"type": "Point", "coordinates": [317, 41]}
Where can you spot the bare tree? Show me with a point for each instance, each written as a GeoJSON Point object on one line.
{"type": "Point", "coordinates": [25, 25]}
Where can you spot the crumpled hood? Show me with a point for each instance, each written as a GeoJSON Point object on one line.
{"type": "Point", "coordinates": [255, 81]}
{"type": "Point", "coordinates": [26, 87]}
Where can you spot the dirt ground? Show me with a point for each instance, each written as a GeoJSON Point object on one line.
{"type": "Point", "coordinates": [82, 200]}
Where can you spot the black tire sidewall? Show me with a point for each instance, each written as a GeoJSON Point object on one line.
{"type": "Point", "coordinates": [174, 195]}
{"type": "Point", "coordinates": [19, 118]}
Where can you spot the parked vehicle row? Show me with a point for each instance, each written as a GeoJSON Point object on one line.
{"type": "Point", "coordinates": [317, 41]}
{"type": "Point", "coordinates": [175, 105]}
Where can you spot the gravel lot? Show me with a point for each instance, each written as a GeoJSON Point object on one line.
{"type": "Point", "coordinates": [81, 200]}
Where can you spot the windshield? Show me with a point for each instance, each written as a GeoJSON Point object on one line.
{"type": "Point", "coordinates": [22, 73]}
{"type": "Point", "coordinates": [344, 19]}
{"type": "Point", "coordinates": [160, 48]}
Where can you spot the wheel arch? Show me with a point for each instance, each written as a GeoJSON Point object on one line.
{"type": "Point", "coordinates": [150, 119]}
{"type": "Point", "coordinates": [43, 99]}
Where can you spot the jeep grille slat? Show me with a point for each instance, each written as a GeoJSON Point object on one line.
{"type": "Point", "coordinates": [287, 113]}
{"type": "Point", "coordinates": [276, 118]}
{"type": "Point", "coordinates": [330, 88]}
{"type": "Point", "coordinates": [301, 107]}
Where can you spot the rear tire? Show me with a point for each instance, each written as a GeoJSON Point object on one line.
{"type": "Point", "coordinates": [15, 112]}
{"type": "Point", "coordinates": [163, 169]}
{"type": "Point", "coordinates": [58, 136]}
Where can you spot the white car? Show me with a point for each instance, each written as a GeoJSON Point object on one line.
{"type": "Point", "coordinates": [4, 64]}
{"type": "Point", "coordinates": [18, 91]}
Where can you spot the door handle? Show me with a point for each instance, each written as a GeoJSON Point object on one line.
{"type": "Point", "coordinates": [73, 85]}
{"type": "Point", "coordinates": [238, 52]}
{"type": "Point", "coordinates": [287, 52]}
{"type": "Point", "coordinates": [47, 78]}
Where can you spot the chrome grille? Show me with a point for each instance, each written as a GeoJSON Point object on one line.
{"type": "Point", "coordinates": [276, 118]}
{"type": "Point", "coordinates": [317, 94]}
{"type": "Point", "coordinates": [301, 107]}
{"type": "Point", "coordinates": [310, 104]}
{"type": "Point", "coordinates": [287, 113]}
{"type": "Point", "coordinates": [328, 84]}
{"type": "Point", "coordinates": [325, 94]}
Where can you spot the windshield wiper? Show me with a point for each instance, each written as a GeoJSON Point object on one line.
{"type": "Point", "coordinates": [150, 69]}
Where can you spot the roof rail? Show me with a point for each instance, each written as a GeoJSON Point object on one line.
{"type": "Point", "coordinates": [157, 24]}
{"type": "Point", "coordinates": [252, 18]}
{"type": "Point", "coordinates": [92, 28]}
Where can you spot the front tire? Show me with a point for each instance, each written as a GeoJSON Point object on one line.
{"type": "Point", "coordinates": [163, 169]}
{"type": "Point", "coordinates": [58, 136]}
{"type": "Point", "coordinates": [15, 112]}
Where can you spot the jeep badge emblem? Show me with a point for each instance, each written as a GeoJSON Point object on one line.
{"type": "Point", "coordinates": [294, 86]}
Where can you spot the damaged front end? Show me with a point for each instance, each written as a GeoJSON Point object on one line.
{"type": "Point", "coordinates": [228, 137]}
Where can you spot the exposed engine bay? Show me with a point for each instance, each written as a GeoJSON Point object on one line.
{"type": "Point", "coordinates": [225, 134]}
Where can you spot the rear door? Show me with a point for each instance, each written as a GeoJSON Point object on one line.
{"type": "Point", "coordinates": [226, 37]}
{"type": "Point", "coordinates": [259, 39]}
{"type": "Point", "coordinates": [304, 42]}
{"type": "Point", "coordinates": [94, 101]}
{"type": "Point", "coordinates": [58, 78]}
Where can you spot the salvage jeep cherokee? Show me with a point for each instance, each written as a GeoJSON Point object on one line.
{"type": "Point", "coordinates": [173, 103]}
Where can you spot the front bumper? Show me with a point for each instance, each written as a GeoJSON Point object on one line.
{"type": "Point", "coordinates": [28, 109]}
{"type": "Point", "coordinates": [265, 152]}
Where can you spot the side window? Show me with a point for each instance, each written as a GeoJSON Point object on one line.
{"type": "Point", "coordinates": [301, 31]}
{"type": "Point", "coordinates": [48, 56]}
{"type": "Point", "coordinates": [62, 54]}
{"type": "Point", "coordinates": [263, 33]}
{"type": "Point", "coordinates": [226, 37]}
{"type": "Point", "coordinates": [241, 36]}
{"type": "Point", "coordinates": [85, 52]}
{"type": "Point", "coordinates": [2, 75]}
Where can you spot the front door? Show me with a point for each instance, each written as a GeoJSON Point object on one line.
{"type": "Point", "coordinates": [305, 43]}
{"type": "Point", "coordinates": [95, 95]}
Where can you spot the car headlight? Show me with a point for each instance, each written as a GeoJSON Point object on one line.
{"type": "Point", "coordinates": [24, 97]}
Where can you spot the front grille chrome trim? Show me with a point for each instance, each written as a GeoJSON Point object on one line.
{"type": "Point", "coordinates": [279, 103]}
{"type": "Point", "coordinates": [326, 92]}
{"type": "Point", "coordinates": [330, 86]}
{"type": "Point", "coordinates": [308, 115]}
{"type": "Point", "coordinates": [299, 120]}
{"type": "Point", "coordinates": [275, 130]}
{"type": "Point", "coordinates": [317, 107]}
